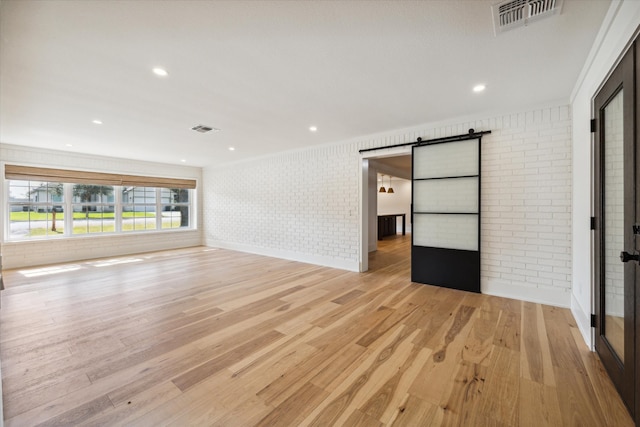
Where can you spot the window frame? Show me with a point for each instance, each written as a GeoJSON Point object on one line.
{"type": "Point", "coordinates": [133, 204]}
{"type": "Point", "coordinates": [34, 206]}
{"type": "Point", "coordinates": [172, 205]}
{"type": "Point", "coordinates": [90, 204]}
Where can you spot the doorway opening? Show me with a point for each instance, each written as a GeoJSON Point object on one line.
{"type": "Point", "coordinates": [385, 215]}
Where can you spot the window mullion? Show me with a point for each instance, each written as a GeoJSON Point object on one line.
{"type": "Point", "coordinates": [117, 199]}
{"type": "Point", "coordinates": [158, 210]}
{"type": "Point", "coordinates": [192, 209]}
{"type": "Point", "coordinates": [7, 221]}
{"type": "Point", "coordinates": [67, 197]}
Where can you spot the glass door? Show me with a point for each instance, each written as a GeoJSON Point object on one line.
{"type": "Point", "coordinates": [615, 245]}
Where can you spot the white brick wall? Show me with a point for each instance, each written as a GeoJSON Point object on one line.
{"type": "Point", "coordinates": [304, 205]}
{"type": "Point", "coordinates": [21, 254]}
{"type": "Point", "coordinates": [526, 206]}
{"type": "Point", "coordinates": [300, 205]}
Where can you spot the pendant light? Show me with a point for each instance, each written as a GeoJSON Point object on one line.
{"type": "Point", "coordinates": [382, 189]}
{"type": "Point", "coordinates": [390, 190]}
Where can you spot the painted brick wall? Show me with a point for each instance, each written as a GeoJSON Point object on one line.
{"type": "Point", "coordinates": [300, 205]}
{"type": "Point", "coordinates": [526, 207]}
{"type": "Point", "coordinates": [21, 254]}
{"type": "Point", "coordinates": [304, 205]}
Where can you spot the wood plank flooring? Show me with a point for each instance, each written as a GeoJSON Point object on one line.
{"type": "Point", "coordinates": [213, 337]}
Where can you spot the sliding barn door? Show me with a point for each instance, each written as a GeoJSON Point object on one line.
{"type": "Point", "coordinates": [445, 247]}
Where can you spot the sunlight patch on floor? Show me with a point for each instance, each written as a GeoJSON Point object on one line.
{"type": "Point", "coordinates": [45, 271]}
{"type": "Point", "coordinates": [115, 261]}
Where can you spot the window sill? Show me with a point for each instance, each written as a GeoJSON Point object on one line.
{"type": "Point", "coordinates": [100, 236]}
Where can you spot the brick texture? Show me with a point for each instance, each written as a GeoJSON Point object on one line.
{"type": "Point", "coordinates": [305, 204]}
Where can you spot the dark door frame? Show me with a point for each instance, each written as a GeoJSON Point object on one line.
{"type": "Point", "coordinates": [623, 375]}
{"type": "Point", "coordinates": [636, 237]}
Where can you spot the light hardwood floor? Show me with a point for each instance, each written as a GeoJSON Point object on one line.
{"type": "Point", "coordinates": [214, 337]}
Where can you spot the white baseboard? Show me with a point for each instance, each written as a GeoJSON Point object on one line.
{"type": "Point", "coordinates": [549, 296]}
{"type": "Point", "coordinates": [583, 321]}
{"type": "Point", "coordinates": [325, 261]}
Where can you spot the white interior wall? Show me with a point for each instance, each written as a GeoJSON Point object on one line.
{"type": "Point", "coordinates": [618, 29]}
{"type": "Point", "coordinates": [39, 252]}
{"type": "Point", "coordinates": [372, 208]}
{"type": "Point", "coordinates": [397, 202]}
{"type": "Point", "coordinates": [301, 205]}
{"type": "Point", "coordinates": [305, 205]}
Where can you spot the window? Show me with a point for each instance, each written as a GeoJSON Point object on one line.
{"type": "Point", "coordinates": [175, 207]}
{"type": "Point", "coordinates": [37, 207]}
{"type": "Point", "coordinates": [139, 208]}
{"type": "Point", "coordinates": [93, 209]}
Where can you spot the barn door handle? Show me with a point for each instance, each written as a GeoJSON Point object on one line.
{"type": "Point", "coordinates": [626, 257]}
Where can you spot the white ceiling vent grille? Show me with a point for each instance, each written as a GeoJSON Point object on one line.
{"type": "Point", "coordinates": [517, 13]}
{"type": "Point", "coordinates": [204, 129]}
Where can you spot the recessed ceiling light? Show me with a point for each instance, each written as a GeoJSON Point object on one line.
{"type": "Point", "coordinates": [68, 145]}
{"type": "Point", "coordinates": [232, 148]}
{"type": "Point", "coordinates": [183, 160]}
{"type": "Point", "coordinates": [479, 88]}
{"type": "Point", "coordinates": [160, 72]}
{"type": "Point", "coordinates": [313, 128]}
{"type": "Point", "coordinates": [97, 122]}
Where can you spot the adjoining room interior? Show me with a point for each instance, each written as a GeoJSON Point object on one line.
{"type": "Point", "coordinates": [198, 228]}
{"type": "Point", "coordinates": [393, 175]}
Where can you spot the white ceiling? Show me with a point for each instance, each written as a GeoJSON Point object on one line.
{"type": "Point", "coordinates": [263, 72]}
{"type": "Point", "coordinates": [399, 166]}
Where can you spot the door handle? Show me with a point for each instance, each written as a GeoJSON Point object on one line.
{"type": "Point", "coordinates": [626, 257]}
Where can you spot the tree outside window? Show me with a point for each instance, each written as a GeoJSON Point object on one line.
{"type": "Point", "coordinates": [90, 193]}
{"type": "Point", "coordinates": [52, 191]}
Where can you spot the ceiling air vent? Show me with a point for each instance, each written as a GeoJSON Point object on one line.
{"type": "Point", "coordinates": [517, 13]}
{"type": "Point", "coordinates": [204, 129]}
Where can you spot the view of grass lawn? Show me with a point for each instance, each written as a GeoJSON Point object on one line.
{"type": "Point", "coordinates": [41, 216]}
{"type": "Point", "coordinates": [105, 228]}
{"type": "Point", "coordinates": [110, 228]}
{"type": "Point", "coordinates": [45, 232]}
